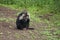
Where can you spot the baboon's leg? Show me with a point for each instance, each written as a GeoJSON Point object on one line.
{"type": "Point", "coordinates": [27, 24]}
{"type": "Point", "coordinates": [20, 27]}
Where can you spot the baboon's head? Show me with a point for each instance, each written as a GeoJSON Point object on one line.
{"type": "Point", "coordinates": [24, 16]}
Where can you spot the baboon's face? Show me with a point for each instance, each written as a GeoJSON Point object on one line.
{"type": "Point", "coordinates": [24, 16]}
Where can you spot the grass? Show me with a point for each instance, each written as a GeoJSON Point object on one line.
{"type": "Point", "coordinates": [56, 19]}
{"type": "Point", "coordinates": [7, 19]}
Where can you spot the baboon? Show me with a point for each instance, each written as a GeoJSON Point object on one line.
{"type": "Point", "coordinates": [23, 20]}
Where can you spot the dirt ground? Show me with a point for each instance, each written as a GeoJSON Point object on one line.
{"type": "Point", "coordinates": [8, 29]}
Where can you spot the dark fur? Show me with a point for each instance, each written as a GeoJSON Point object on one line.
{"type": "Point", "coordinates": [22, 23]}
